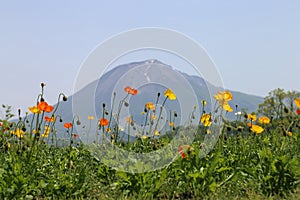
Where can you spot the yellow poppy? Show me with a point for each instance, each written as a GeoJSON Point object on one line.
{"type": "Point", "coordinates": [91, 118]}
{"type": "Point", "coordinates": [170, 94]}
{"type": "Point", "coordinates": [251, 117]}
{"type": "Point", "coordinates": [222, 97]}
{"type": "Point", "coordinates": [297, 102]}
{"type": "Point", "coordinates": [206, 119]}
{"type": "Point", "coordinates": [35, 110]}
{"type": "Point", "coordinates": [257, 129]}
{"type": "Point", "coordinates": [156, 133]}
{"type": "Point", "coordinates": [150, 106]}
{"type": "Point", "coordinates": [152, 117]}
{"type": "Point", "coordinates": [227, 107]}
{"type": "Point", "coordinates": [289, 133]}
{"type": "Point", "coordinates": [108, 130]}
{"type": "Point", "coordinates": [264, 120]}
{"type": "Point", "coordinates": [46, 131]}
{"type": "Point", "coordinates": [19, 133]}
{"type": "Point", "coordinates": [203, 102]}
{"type": "Point", "coordinates": [144, 137]}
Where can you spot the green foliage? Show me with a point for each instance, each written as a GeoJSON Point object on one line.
{"type": "Point", "coordinates": [241, 165]}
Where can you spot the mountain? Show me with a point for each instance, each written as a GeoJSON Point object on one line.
{"type": "Point", "coordinates": [150, 77]}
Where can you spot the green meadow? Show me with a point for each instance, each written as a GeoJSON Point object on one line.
{"type": "Point", "coordinates": [256, 155]}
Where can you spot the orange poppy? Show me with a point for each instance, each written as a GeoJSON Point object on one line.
{"type": "Point", "coordinates": [45, 107]}
{"type": "Point", "coordinates": [50, 119]}
{"type": "Point", "coordinates": [49, 109]}
{"type": "Point", "coordinates": [104, 122]}
{"type": "Point", "coordinates": [183, 150]}
{"type": "Point", "coordinates": [68, 125]}
{"type": "Point", "coordinates": [130, 90]}
{"type": "Point", "coordinates": [76, 135]}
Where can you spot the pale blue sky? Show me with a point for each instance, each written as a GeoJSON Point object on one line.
{"type": "Point", "coordinates": [255, 44]}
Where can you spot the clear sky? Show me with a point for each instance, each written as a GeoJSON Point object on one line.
{"type": "Point", "coordinates": [255, 44]}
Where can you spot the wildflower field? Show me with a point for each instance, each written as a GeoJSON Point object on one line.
{"type": "Point", "coordinates": [256, 155]}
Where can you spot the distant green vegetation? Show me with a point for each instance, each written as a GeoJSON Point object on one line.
{"type": "Point", "coordinates": [257, 155]}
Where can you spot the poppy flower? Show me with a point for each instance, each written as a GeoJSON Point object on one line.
{"type": "Point", "coordinates": [222, 97]}
{"type": "Point", "coordinates": [49, 109]}
{"type": "Point", "coordinates": [0, 124]}
{"type": "Point", "coordinates": [227, 107]}
{"type": "Point", "coordinates": [257, 129]}
{"type": "Point", "coordinates": [289, 133]}
{"type": "Point", "coordinates": [76, 135]}
{"type": "Point", "coordinates": [298, 112]}
{"type": "Point", "coordinates": [171, 124]}
{"type": "Point", "coordinates": [206, 119]}
{"type": "Point", "coordinates": [90, 117]}
{"type": "Point", "coordinates": [156, 133]}
{"type": "Point", "coordinates": [203, 102]}
{"type": "Point", "coordinates": [108, 130]}
{"type": "Point", "coordinates": [251, 117]}
{"type": "Point", "coordinates": [297, 102]}
{"type": "Point", "coordinates": [170, 94]}
{"type": "Point", "coordinates": [68, 125]}
{"type": "Point", "coordinates": [129, 119]}
{"type": "Point", "coordinates": [183, 151]}
{"type": "Point", "coordinates": [45, 107]}
{"type": "Point", "coordinates": [50, 119]}
{"type": "Point", "coordinates": [19, 133]}
{"type": "Point", "coordinates": [144, 137]}
{"type": "Point", "coordinates": [264, 120]}
{"type": "Point", "coordinates": [152, 117]}
{"type": "Point", "coordinates": [103, 122]}
{"type": "Point", "coordinates": [130, 90]}
{"type": "Point", "coordinates": [35, 110]}
{"type": "Point", "coordinates": [46, 131]}
{"type": "Point", "coordinates": [150, 106]}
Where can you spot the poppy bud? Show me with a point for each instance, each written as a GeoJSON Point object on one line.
{"type": "Point", "coordinates": [60, 120]}
{"type": "Point", "coordinates": [42, 99]}
{"type": "Point", "coordinates": [24, 129]}
{"type": "Point", "coordinates": [43, 85]}
{"type": "Point", "coordinates": [175, 114]}
{"type": "Point", "coordinates": [158, 94]}
{"type": "Point", "coordinates": [103, 105]}
{"type": "Point", "coordinates": [286, 110]}
{"type": "Point", "coordinates": [65, 98]}
{"type": "Point", "coordinates": [106, 112]}
{"type": "Point", "coordinates": [145, 110]}
{"type": "Point", "coordinates": [126, 104]}
{"type": "Point", "coordinates": [78, 122]}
